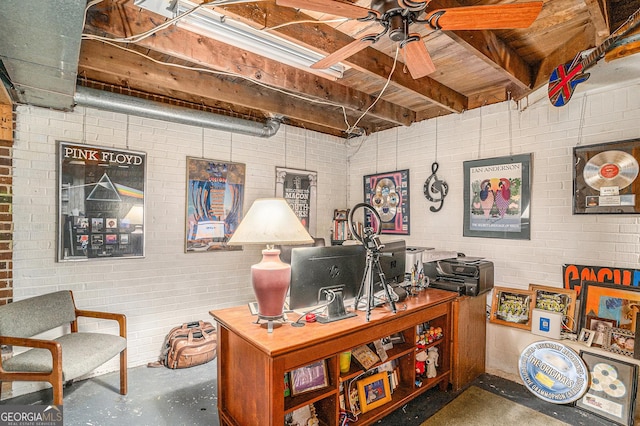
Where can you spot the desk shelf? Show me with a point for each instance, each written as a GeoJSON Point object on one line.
{"type": "Point", "coordinates": [252, 362]}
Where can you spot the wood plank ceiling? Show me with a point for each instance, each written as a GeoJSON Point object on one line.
{"type": "Point", "coordinates": [473, 68]}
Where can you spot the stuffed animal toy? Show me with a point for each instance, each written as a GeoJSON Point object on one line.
{"type": "Point", "coordinates": [421, 358]}
{"type": "Point", "coordinates": [432, 362]}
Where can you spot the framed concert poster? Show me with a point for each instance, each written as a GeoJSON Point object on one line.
{"type": "Point", "coordinates": [612, 388]}
{"type": "Point", "coordinates": [101, 202]}
{"type": "Point", "coordinates": [215, 196]}
{"type": "Point", "coordinates": [605, 179]}
{"type": "Point", "coordinates": [497, 193]}
{"type": "Point", "coordinates": [388, 193]}
{"type": "Point", "coordinates": [299, 188]}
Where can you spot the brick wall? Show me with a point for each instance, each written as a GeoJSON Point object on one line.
{"type": "Point", "coordinates": [6, 199]}
{"type": "Point", "coordinates": [6, 217]}
{"type": "Point", "coordinates": [557, 236]}
{"type": "Point", "coordinates": [167, 287]}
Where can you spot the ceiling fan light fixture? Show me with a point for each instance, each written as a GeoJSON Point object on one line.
{"type": "Point", "coordinates": [208, 23]}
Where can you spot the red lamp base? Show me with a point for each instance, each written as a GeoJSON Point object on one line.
{"type": "Point", "coordinates": [270, 279]}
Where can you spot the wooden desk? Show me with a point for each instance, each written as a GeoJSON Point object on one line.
{"type": "Point", "coordinates": [252, 363]}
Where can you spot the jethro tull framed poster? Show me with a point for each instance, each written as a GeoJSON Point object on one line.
{"type": "Point", "coordinates": [496, 197]}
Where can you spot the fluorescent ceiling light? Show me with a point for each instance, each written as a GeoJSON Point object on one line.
{"type": "Point", "coordinates": [211, 24]}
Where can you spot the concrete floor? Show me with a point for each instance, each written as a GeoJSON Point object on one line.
{"type": "Point", "coordinates": [160, 396]}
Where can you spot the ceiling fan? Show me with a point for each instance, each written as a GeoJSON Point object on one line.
{"type": "Point", "coordinates": [396, 16]}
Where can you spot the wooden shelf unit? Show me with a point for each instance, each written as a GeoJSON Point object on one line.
{"type": "Point", "coordinates": [252, 363]}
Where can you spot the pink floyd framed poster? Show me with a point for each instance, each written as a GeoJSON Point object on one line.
{"type": "Point", "coordinates": [388, 193]}
{"type": "Point", "coordinates": [101, 200]}
{"type": "Point", "coordinates": [606, 178]}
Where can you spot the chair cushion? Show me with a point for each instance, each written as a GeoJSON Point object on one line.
{"type": "Point", "coordinates": [81, 354]}
{"type": "Point", "coordinates": [28, 317]}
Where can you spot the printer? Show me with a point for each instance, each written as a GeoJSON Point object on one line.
{"type": "Point", "coordinates": [469, 276]}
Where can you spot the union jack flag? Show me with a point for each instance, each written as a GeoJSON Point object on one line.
{"type": "Point", "coordinates": [563, 81]}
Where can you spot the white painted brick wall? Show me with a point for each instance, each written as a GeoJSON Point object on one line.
{"type": "Point", "coordinates": [557, 236]}
{"type": "Point", "coordinates": [167, 287]}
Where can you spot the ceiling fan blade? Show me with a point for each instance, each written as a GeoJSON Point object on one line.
{"type": "Point", "coordinates": [417, 58]}
{"type": "Point", "coordinates": [344, 52]}
{"type": "Point", "coordinates": [333, 7]}
{"type": "Point", "coordinates": [492, 17]}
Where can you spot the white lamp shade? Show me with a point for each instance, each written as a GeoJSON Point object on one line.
{"type": "Point", "coordinates": [270, 221]}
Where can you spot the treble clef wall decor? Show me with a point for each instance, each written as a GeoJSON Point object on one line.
{"type": "Point", "coordinates": [435, 189]}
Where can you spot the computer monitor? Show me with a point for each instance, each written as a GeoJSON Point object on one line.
{"type": "Point", "coordinates": [325, 274]}
{"type": "Point", "coordinates": [392, 261]}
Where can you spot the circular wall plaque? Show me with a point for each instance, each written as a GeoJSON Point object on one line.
{"type": "Point", "coordinates": [553, 372]}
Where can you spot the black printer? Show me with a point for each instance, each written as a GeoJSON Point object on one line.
{"type": "Point", "coordinates": [469, 276]}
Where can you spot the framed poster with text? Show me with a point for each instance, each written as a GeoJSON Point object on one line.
{"type": "Point", "coordinates": [215, 199]}
{"type": "Point", "coordinates": [299, 188]}
{"type": "Point", "coordinates": [496, 197]}
{"type": "Point", "coordinates": [101, 202]}
{"type": "Point", "coordinates": [388, 193]}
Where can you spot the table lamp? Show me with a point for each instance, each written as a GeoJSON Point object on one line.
{"type": "Point", "coordinates": [270, 221]}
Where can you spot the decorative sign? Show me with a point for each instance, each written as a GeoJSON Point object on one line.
{"type": "Point", "coordinates": [299, 188]}
{"type": "Point", "coordinates": [573, 275]}
{"type": "Point", "coordinates": [553, 372]}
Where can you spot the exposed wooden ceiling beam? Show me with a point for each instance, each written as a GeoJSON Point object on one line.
{"type": "Point", "coordinates": [323, 38]}
{"type": "Point", "coordinates": [599, 19]}
{"type": "Point", "coordinates": [97, 59]}
{"type": "Point", "coordinates": [210, 53]}
{"type": "Point", "coordinates": [494, 52]}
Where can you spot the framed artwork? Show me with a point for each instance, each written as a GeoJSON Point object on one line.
{"type": "Point", "coordinates": [366, 357]}
{"type": "Point", "coordinates": [612, 389]}
{"type": "Point", "coordinates": [374, 391]}
{"type": "Point", "coordinates": [556, 299]}
{"type": "Point", "coordinates": [308, 378]}
{"type": "Point", "coordinates": [215, 199]}
{"type": "Point", "coordinates": [100, 191]}
{"type": "Point", "coordinates": [617, 303]}
{"type": "Point", "coordinates": [600, 328]}
{"type": "Point", "coordinates": [341, 214]}
{"type": "Point", "coordinates": [497, 194]}
{"type": "Point", "coordinates": [620, 341]}
{"type": "Point", "coordinates": [388, 193]}
{"type": "Point", "coordinates": [512, 307]}
{"type": "Point", "coordinates": [299, 188]}
{"type": "Point", "coordinates": [605, 178]}
{"type": "Point", "coordinates": [586, 337]}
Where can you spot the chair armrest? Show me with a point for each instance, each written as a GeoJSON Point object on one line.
{"type": "Point", "coordinates": [120, 318]}
{"type": "Point", "coordinates": [50, 345]}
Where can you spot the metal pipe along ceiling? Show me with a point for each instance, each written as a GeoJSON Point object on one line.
{"type": "Point", "coordinates": [114, 102]}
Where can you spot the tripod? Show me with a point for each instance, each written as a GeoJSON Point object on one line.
{"type": "Point", "coordinates": [373, 245]}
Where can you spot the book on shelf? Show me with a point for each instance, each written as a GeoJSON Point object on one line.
{"type": "Point", "coordinates": [365, 356]}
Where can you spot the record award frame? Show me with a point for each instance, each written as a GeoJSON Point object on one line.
{"type": "Point", "coordinates": [605, 178]}
{"type": "Point", "coordinates": [612, 389]}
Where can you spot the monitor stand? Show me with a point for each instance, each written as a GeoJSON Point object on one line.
{"type": "Point", "coordinates": [335, 309]}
